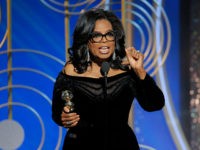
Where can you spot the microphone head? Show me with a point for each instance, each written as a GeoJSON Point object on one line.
{"type": "Point", "coordinates": [105, 66]}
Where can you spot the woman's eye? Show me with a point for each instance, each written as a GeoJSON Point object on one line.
{"type": "Point", "coordinates": [110, 34]}
{"type": "Point", "coordinates": [96, 35]}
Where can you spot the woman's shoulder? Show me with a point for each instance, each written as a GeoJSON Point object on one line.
{"type": "Point", "coordinates": [68, 69]}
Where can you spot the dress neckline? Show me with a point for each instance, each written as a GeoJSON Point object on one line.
{"type": "Point", "coordinates": [92, 78]}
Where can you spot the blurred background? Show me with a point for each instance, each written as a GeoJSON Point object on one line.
{"type": "Point", "coordinates": [34, 37]}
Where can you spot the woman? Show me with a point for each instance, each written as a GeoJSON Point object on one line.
{"type": "Point", "coordinates": [102, 95]}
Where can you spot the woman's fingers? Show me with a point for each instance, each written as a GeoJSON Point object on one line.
{"type": "Point", "coordinates": [66, 109]}
{"type": "Point", "coordinates": [135, 59]}
{"type": "Point", "coordinates": [71, 123]}
{"type": "Point", "coordinates": [69, 119]}
{"type": "Point", "coordinates": [131, 52]}
{"type": "Point", "coordinates": [132, 56]}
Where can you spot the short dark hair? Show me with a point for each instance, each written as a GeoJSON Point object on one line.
{"type": "Point", "coordinates": [84, 27]}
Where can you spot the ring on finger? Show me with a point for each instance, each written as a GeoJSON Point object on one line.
{"type": "Point", "coordinates": [68, 122]}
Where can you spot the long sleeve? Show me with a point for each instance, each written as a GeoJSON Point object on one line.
{"type": "Point", "coordinates": [57, 102]}
{"type": "Point", "coordinates": [149, 95]}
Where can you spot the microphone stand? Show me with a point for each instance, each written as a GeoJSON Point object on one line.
{"type": "Point", "coordinates": [106, 110]}
{"type": "Point", "coordinates": [105, 87]}
{"type": "Point", "coordinates": [104, 71]}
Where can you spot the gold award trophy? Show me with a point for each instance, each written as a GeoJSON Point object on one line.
{"type": "Point", "coordinates": [67, 97]}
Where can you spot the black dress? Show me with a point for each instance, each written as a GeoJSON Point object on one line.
{"type": "Point", "coordinates": [104, 115]}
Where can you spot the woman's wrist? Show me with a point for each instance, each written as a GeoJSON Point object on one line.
{"type": "Point", "coordinates": [141, 73]}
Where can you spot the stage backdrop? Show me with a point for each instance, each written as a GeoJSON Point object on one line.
{"type": "Point", "coordinates": [34, 36]}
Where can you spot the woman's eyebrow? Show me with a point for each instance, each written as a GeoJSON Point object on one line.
{"type": "Point", "coordinates": [101, 32]}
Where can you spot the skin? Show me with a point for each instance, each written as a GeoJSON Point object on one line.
{"type": "Point", "coordinates": [102, 26]}
{"type": "Point", "coordinates": [134, 60]}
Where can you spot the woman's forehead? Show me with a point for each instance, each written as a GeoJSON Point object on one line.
{"type": "Point", "coordinates": [102, 25]}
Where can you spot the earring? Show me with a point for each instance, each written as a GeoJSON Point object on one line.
{"type": "Point", "coordinates": [114, 56]}
{"type": "Point", "coordinates": [88, 56]}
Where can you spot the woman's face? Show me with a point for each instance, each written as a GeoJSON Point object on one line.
{"type": "Point", "coordinates": [100, 46]}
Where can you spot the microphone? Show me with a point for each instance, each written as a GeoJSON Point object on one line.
{"type": "Point", "coordinates": [105, 67]}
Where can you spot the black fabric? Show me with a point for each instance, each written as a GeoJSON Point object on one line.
{"type": "Point", "coordinates": [104, 120]}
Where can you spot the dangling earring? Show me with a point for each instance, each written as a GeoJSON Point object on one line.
{"type": "Point", "coordinates": [88, 56]}
{"type": "Point", "coordinates": [114, 56]}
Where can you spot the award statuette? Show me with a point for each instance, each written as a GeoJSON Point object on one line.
{"type": "Point", "coordinates": [67, 97]}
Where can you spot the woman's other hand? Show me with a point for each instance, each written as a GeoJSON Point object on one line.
{"type": "Point", "coordinates": [135, 60]}
{"type": "Point", "coordinates": [69, 119]}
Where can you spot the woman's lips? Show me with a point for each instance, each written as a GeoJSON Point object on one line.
{"type": "Point", "coordinates": [104, 49]}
